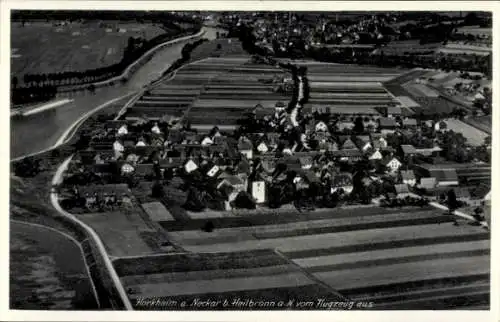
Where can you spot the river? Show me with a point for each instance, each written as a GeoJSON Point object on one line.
{"type": "Point", "coordinates": [40, 131]}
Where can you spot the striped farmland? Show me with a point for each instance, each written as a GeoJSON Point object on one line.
{"type": "Point", "coordinates": [214, 91]}
{"type": "Point", "coordinates": [396, 259]}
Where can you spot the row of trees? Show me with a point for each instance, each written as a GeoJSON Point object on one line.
{"type": "Point", "coordinates": [448, 62]}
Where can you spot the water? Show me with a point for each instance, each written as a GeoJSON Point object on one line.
{"type": "Point", "coordinates": [40, 131]}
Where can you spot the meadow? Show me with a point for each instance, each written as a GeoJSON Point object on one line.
{"type": "Point", "coordinates": [39, 47]}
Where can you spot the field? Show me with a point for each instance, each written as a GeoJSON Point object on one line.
{"type": "Point", "coordinates": [399, 259]}
{"type": "Point", "coordinates": [456, 48]}
{"type": "Point", "coordinates": [39, 47]}
{"type": "Point", "coordinates": [212, 91]}
{"type": "Point", "coordinates": [474, 136]}
{"type": "Point", "coordinates": [429, 100]}
{"type": "Point", "coordinates": [123, 233]}
{"type": "Point", "coordinates": [349, 89]}
{"type": "Point", "coordinates": [482, 123]}
{"type": "Point", "coordinates": [47, 271]}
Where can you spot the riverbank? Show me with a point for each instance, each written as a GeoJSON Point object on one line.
{"type": "Point", "coordinates": [49, 126]}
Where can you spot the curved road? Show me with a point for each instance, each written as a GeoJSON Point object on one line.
{"type": "Point", "coordinates": [41, 131]}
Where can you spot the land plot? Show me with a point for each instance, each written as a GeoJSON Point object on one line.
{"type": "Point", "coordinates": [474, 136]}
{"type": "Point", "coordinates": [44, 48]}
{"type": "Point", "coordinates": [120, 231]}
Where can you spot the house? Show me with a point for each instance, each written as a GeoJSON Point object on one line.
{"type": "Point", "coordinates": [364, 143]}
{"type": "Point", "coordinates": [408, 150]}
{"type": "Point", "coordinates": [175, 136]}
{"type": "Point", "coordinates": [122, 130]}
{"type": "Point", "coordinates": [106, 193]}
{"type": "Point", "coordinates": [141, 142]}
{"type": "Point", "coordinates": [144, 170]}
{"type": "Point", "coordinates": [245, 147]}
{"type": "Point", "coordinates": [392, 163]}
{"type": "Point", "coordinates": [375, 156]}
{"type": "Point", "coordinates": [480, 195]}
{"type": "Point", "coordinates": [445, 177]}
{"type": "Point", "coordinates": [409, 123]}
{"type": "Point", "coordinates": [440, 126]}
{"type": "Point", "coordinates": [379, 143]}
{"type": "Point", "coordinates": [118, 149]}
{"type": "Point", "coordinates": [170, 163]}
{"type": "Point", "coordinates": [190, 166]}
{"type": "Point", "coordinates": [321, 136]}
{"type": "Point", "coordinates": [342, 181]}
{"type": "Point", "coordinates": [132, 158]}
{"type": "Point", "coordinates": [157, 141]}
{"type": "Point", "coordinates": [429, 152]}
{"type": "Point", "coordinates": [305, 178]}
{"type": "Point", "coordinates": [268, 165]}
{"type": "Point", "coordinates": [428, 183]}
{"type": "Point", "coordinates": [127, 168]}
{"type": "Point", "coordinates": [393, 111]}
{"type": "Point", "coordinates": [306, 162]}
{"type": "Point", "coordinates": [155, 129]}
{"type": "Point", "coordinates": [402, 190]}
{"type": "Point", "coordinates": [387, 125]}
{"type": "Point", "coordinates": [272, 140]}
{"type": "Point", "coordinates": [207, 141]}
{"type": "Point", "coordinates": [213, 171]}
{"type": "Point", "coordinates": [243, 167]}
{"type": "Point", "coordinates": [487, 199]}
{"type": "Point", "coordinates": [262, 147]}
{"type": "Point", "coordinates": [408, 177]}
{"type": "Point", "coordinates": [258, 189]}
{"type": "Point", "coordinates": [347, 155]}
{"type": "Point", "coordinates": [232, 181]}
{"type": "Point", "coordinates": [348, 144]}
{"type": "Point", "coordinates": [463, 194]}
{"type": "Point", "coordinates": [327, 146]}
{"type": "Point", "coordinates": [321, 127]}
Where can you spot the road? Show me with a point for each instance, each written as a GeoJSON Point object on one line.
{"type": "Point", "coordinates": [41, 131]}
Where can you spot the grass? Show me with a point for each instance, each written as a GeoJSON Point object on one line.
{"type": "Point", "coordinates": [474, 136]}
{"type": "Point", "coordinates": [483, 123]}
{"type": "Point", "coordinates": [42, 48]}
{"type": "Point", "coordinates": [196, 262]}
{"type": "Point", "coordinates": [47, 272]}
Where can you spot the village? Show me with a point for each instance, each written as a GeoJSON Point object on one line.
{"type": "Point", "coordinates": [383, 158]}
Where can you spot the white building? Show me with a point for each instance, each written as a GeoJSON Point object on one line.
{"type": "Point", "coordinates": [259, 191]}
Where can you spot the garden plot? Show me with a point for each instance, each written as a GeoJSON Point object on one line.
{"type": "Point", "coordinates": [121, 232]}
{"type": "Point", "coordinates": [439, 268]}
{"type": "Point", "coordinates": [216, 275]}
{"type": "Point", "coordinates": [420, 90]}
{"type": "Point", "coordinates": [482, 123]}
{"type": "Point", "coordinates": [157, 211]}
{"type": "Point", "coordinates": [342, 247]}
{"type": "Point", "coordinates": [474, 136]}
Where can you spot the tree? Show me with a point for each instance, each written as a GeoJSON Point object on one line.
{"type": "Point", "coordinates": [157, 190]}
{"type": "Point", "coordinates": [27, 167]}
{"type": "Point", "coordinates": [244, 201]}
{"type": "Point", "coordinates": [195, 200]}
{"type": "Point", "coordinates": [452, 201]}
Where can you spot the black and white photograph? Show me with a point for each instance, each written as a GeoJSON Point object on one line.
{"type": "Point", "coordinates": [270, 160]}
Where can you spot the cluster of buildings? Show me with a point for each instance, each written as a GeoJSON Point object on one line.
{"type": "Point", "coordinates": [250, 163]}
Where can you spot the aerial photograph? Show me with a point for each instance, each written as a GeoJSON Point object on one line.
{"type": "Point", "coordinates": [250, 161]}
